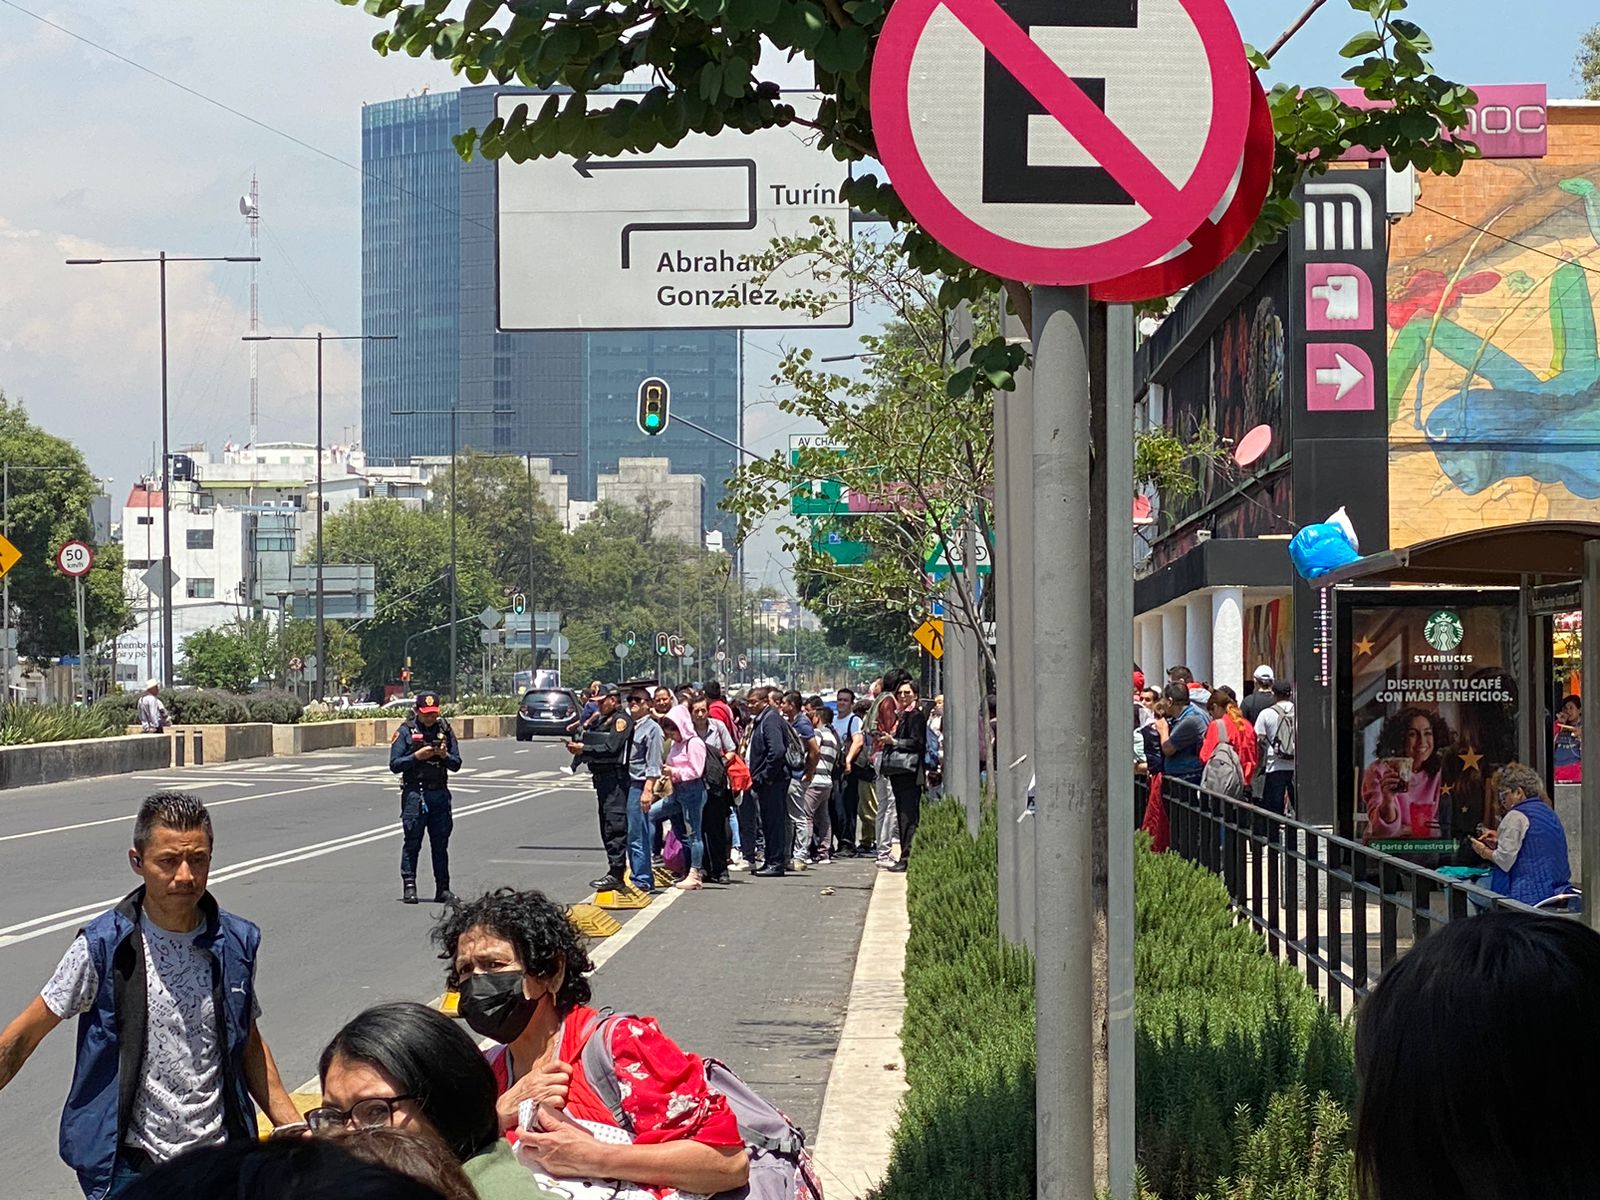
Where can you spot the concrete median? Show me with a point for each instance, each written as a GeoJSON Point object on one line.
{"type": "Point", "coordinates": [56, 762]}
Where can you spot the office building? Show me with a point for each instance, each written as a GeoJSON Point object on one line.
{"type": "Point", "coordinates": [428, 267]}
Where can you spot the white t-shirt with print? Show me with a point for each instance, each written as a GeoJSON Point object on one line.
{"type": "Point", "coordinates": [178, 1104]}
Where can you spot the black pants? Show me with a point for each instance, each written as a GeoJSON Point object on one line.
{"type": "Point", "coordinates": [748, 814]}
{"type": "Point", "coordinates": [714, 822]}
{"type": "Point", "coordinates": [907, 809]}
{"type": "Point", "coordinates": [773, 797]}
{"type": "Point", "coordinates": [426, 812]}
{"type": "Point", "coordinates": [611, 792]}
{"type": "Point", "coordinates": [842, 808]}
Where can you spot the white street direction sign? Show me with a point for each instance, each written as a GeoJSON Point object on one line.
{"type": "Point", "coordinates": [657, 240]}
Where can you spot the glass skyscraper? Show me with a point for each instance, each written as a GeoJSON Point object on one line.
{"type": "Point", "coordinates": [428, 276]}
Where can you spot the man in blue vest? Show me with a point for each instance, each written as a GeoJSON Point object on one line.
{"type": "Point", "coordinates": [163, 986]}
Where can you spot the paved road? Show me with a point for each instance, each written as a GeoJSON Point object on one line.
{"type": "Point", "coordinates": [308, 847]}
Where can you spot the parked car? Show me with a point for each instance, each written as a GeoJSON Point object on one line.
{"type": "Point", "coordinates": [546, 711]}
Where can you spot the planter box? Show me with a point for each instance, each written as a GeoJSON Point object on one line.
{"type": "Point", "coordinates": [319, 735]}
{"type": "Point", "coordinates": [221, 743]}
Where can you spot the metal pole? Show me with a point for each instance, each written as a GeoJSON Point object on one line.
{"type": "Point", "coordinates": [1013, 522]}
{"type": "Point", "coordinates": [453, 505]}
{"type": "Point", "coordinates": [1117, 516]}
{"type": "Point", "coordinates": [166, 498]}
{"type": "Point", "coordinates": [5, 519]}
{"type": "Point", "coordinates": [1062, 757]}
{"type": "Point", "coordinates": [321, 673]}
{"type": "Point", "coordinates": [1589, 793]}
{"type": "Point", "coordinates": [970, 685]}
{"type": "Point", "coordinates": [83, 666]}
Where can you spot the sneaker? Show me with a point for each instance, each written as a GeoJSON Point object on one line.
{"type": "Point", "coordinates": [866, 850]}
{"type": "Point", "coordinates": [884, 863]}
{"type": "Point", "coordinates": [822, 860]}
{"type": "Point", "coordinates": [898, 867]}
{"type": "Point", "coordinates": [737, 859]}
{"type": "Point", "coordinates": [738, 865]}
{"type": "Point", "coordinates": [606, 883]}
{"type": "Point", "coordinates": [798, 864]}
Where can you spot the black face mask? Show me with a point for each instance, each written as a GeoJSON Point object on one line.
{"type": "Point", "coordinates": [494, 1006]}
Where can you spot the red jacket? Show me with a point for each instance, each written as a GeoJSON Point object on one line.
{"type": "Point", "coordinates": [1244, 742]}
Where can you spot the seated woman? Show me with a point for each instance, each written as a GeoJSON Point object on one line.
{"type": "Point", "coordinates": [1529, 849]}
{"type": "Point", "coordinates": [409, 1065]}
{"type": "Point", "coordinates": [520, 967]}
{"type": "Point", "coordinates": [1478, 1063]}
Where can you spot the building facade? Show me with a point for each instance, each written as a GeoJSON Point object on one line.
{"type": "Point", "coordinates": [429, 277]}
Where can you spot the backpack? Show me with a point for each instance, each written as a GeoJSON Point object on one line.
{"type": "Point", "coordinates": [1224, 773]}
{"type": "Point", "coordinates": [1283, 737]}
{"type": "Point", "coordinates": [780, 1166]}
{"type": "Point", "coordinates": [794, 750]}
{"type": "Point", "coordinates": [716, 773]}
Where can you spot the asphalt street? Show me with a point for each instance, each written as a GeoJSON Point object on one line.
{"type": "Point", "coordinates": [308, 847]}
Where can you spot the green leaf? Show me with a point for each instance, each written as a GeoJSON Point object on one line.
{"type": "Point", "coordinates": [1362, 43]}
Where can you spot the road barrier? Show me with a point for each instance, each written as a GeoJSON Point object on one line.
{"type": "Point", "coordinates": [1337, 910]}
{"type": "Point", "coordinates": [56, 762]}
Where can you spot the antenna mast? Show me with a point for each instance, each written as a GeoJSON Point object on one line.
{"type": "Point", "coordinates": [251, 208]}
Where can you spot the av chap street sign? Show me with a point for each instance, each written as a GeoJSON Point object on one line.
{"type": "Point", "coordinates": [660, 240]}
{"type": "Point", "coordinates": [1106, 132]}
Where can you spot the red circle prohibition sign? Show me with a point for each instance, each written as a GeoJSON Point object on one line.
{"type": "Point", "coordinates": [1174, 211]}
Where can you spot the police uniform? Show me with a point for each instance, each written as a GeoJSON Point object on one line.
{"type": "Point", "coordinates": [425, 795]}
{"type": "Point", "coordinates": [605, 752]}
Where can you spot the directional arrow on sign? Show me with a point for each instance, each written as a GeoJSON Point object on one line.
{"type": "Point", "coordinates": [1345, 376]}
{"type": "Point", "coordinates": [587, 166]}
{"type": "Point", "coordinates": [10, 556]}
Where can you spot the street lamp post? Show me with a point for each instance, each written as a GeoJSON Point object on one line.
{"type": "Point", "coordinates": [455, 444]}
{"type": "Point", "coordinates": [319, 337]}
{"type": "Point", "coordinates": [163, 258]}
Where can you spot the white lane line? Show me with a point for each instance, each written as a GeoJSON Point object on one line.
{"type": "Point", "coordinates": [632, 928]}
{"type": "Point", "coordinates": [500, 773]}
{"type": "Point", "coordinates": [487, 758]}
{"type": "Point", "coordinates": [66, 918]}
{"type": "Point", "coordinates": [33, 833]}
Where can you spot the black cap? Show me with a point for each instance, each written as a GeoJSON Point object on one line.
{"type": "Point", "coordinates": [427, 702]}
{"type": "Point", "coordinates": [610, 689]}
{"type": "Point", "coordinates": [1282, 687]}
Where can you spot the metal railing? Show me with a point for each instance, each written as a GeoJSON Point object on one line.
{"type": "Point", "coordinates": [1338, 911]}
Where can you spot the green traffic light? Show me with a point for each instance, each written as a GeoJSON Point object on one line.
{"type": "Point", "coordinates": [653, 420]}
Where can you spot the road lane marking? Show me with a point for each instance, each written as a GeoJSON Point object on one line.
{"type": "Point", "coordinates": [33, 833]}
{"type": "Point", "coordinates": [52, 922]}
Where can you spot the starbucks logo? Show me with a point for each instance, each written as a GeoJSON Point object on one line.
{"type": "Point", "coordinates": [1444, 631]}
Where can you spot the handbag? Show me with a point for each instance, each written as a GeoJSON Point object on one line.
{"type": "Point", "coordinates": [738, 771]}
{"type": "Point", "coordinates": [900, 762]}
{"type": "Point", "coordinates": [674, 854]}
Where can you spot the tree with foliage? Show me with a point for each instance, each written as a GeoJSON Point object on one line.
{"type": "Point", "coordinates": [410, 551]}
{"type": "Point", "coordinates": [499, 498]}
{"type": "Point", "coordinates": [50, 492]}
{"type": "Point", "coordinates": [341, 647]}
{"type": "Point", "coordinates": [1588, 65]}
{"type": "Point", "coordinates": [222, 657]}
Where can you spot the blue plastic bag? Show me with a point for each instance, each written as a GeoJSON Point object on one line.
{"type": "Point", "coordinates": [1318, 549]}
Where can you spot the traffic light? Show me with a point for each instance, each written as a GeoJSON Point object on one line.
{"type": "Point", "coordinates": [661, 644]}
{"type": "Point", "coordinates": [655, 397]}
{"type": "Point", "coordinates": [519, 604]}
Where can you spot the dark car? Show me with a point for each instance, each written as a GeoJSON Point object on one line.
{"type": "Point", "coordinates": [546, 711]}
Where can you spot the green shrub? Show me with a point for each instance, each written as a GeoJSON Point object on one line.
{"type": "Point", "coordinates": [1223, 1031]}
{"type": "Point", "coordinates": [204, 706]}
{"type": "Point", "coordinates": [313, 716]}
{"type": "Point", "coordinates": [26, 724]}
{"type": "Point", "coordinates": [121, 708]}
{"type": "Point", "coordinates": [278, 708]}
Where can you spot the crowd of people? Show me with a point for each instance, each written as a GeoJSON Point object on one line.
{"type": "Point", "coordinates": [707, 783]}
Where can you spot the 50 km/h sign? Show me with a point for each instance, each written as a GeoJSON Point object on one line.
{"type": "Point", "coordinates": [1061, 144]}
{"type": "Point", "coordinates": [75, 559]}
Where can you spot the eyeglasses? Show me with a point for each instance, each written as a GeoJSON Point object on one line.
{"type": "Point", "coordinates": [374, 1112]}
{"type": "Point", "coordinates": [906, 694]}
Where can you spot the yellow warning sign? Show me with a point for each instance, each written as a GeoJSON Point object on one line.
{"type": "Point", "coordinates": [10, 556]}
{"type": "Point", "coordinates": [930, 636]}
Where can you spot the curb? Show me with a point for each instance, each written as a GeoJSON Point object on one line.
{"type": "Point", "coordinates": [862, 1104]}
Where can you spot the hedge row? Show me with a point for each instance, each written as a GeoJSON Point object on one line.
{"type": "Point", "coordinates": [30, 724]}
{"type": "Point", "coordinates": [205, 706]}
{"type": "Point", "coordinates": [1223, 1032]}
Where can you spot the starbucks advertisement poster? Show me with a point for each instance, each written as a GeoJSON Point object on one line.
{"type": "Point", "coordinates": [1428, 680]}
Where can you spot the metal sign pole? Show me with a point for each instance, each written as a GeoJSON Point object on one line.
{"type": "Point", "coordinates": [1589, 787]}
{"type": "Point", "coordinates": [1063, 762]}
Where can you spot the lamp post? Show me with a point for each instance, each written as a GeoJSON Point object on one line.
{"type": "Point", "coordinates": [162, 259]}
{"type": "Point", "coordinates": [319, 337]}
{"type": "Point", "coordinates": [452, 412]}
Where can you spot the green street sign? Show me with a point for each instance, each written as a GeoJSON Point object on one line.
{"type": "Point", "coordinates": [857, 661]}
{"type": "Point", "coordinates": [936, 565]}
{"type": "Point", "coordinates": [815, 497]}
{"type": "Point", "coordinates": [840, 548]}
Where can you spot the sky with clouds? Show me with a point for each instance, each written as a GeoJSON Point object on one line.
{"type": "Point", "coordinates": [104, 158]}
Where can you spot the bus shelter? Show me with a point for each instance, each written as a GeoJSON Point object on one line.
{"type": "Point", "coordinates": [1441, 661]}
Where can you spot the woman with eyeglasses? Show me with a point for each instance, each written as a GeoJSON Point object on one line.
{"type": "Point", "coordinates": [521, 969]}
{"type": "Point", "coordinates": [410, 1066]}
{"type": "Point", "coordinates": [905, 763]}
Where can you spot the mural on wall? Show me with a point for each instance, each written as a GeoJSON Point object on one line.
{"type": "Point", "coordinates": [1494, 365]}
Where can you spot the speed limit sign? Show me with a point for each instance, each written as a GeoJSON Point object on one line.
{"type": "Point", "coordinates": [75, 559]}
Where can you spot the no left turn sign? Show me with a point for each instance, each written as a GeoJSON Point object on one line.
{"type": "Point", "coordinates": [1061, 147]}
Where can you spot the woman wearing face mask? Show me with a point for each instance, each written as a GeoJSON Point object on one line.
{"type": "Point", "coordinates": [520, 967]}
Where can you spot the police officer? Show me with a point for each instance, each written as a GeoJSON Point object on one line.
{"type": "Point", "coordinates": [423, 755]}
{"type": "Point", "coordinates": [604, 747]}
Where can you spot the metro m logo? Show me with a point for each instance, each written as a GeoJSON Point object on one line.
{"type": "Point", "coordinates": [1007, 107]}
{"type": "Point", "coordinates": [1342, 221]}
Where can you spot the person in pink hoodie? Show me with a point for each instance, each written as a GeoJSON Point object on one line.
{"type": "Point", "coordinates": [686, 764]}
